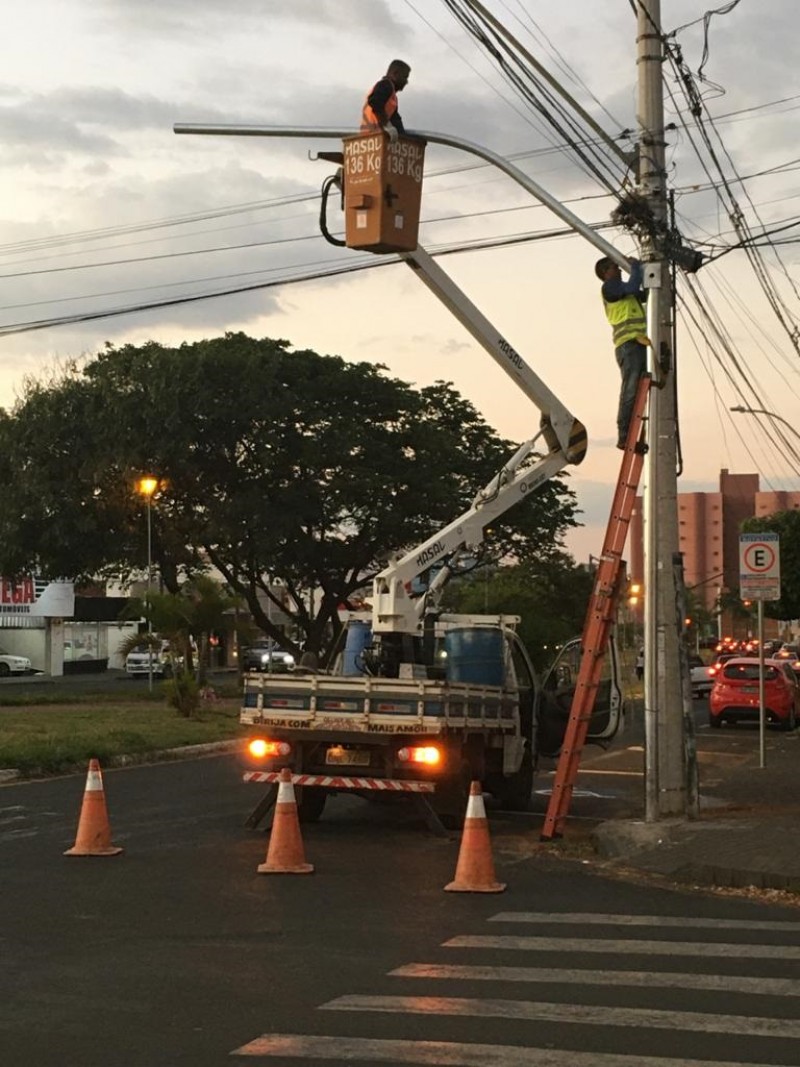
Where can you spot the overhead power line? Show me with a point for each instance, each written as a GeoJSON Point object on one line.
{"type": "Point", "coordinates": [602, 163]}
{"type": "Point", "coordinates": [367, 262]}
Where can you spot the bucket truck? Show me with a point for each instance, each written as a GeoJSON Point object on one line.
{"type": "Point", "coordinates": [419, 703]}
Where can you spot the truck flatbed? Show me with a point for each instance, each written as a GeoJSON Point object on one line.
{"type": "Point", "coordinates": [364, 704]}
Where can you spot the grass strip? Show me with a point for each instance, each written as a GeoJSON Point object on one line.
{"type": "Point", "coordinates": [54, 739]}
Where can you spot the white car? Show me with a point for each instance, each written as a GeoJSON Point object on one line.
{"type": "Point", "coordinates": [702, 676]}
{"type": "Point", "coordinates": [13, 664]}
{"type": "Point", "coordinates": [137, 663]}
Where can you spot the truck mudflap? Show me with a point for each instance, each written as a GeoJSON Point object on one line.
{"type": "Point", "coordinates": [325, 781]}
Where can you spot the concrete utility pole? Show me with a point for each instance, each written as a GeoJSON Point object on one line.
{"type": "Point", "coordinates": [665, 762]}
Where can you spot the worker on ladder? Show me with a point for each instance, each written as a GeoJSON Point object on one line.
{"type": "Point", "coordinates": [624, 303]}
{"type": "Point", "coordinates": [380, 107]}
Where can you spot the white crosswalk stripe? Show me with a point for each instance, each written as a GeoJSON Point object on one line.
{"type": "Point", "coordinates": [523, 1016]}
{"type": "Point", "coordinates": [654, 1018]}
{"type": "Point", "coordinates": [453, 1054]}
{"type": "Point", "coordinates": [723, 983]}
{"type": "Point", "coordinates": [704, 949]}
{"type": "Point", "coordinates": [578, 918]}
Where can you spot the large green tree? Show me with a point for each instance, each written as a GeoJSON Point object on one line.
{"type": "Point", "coordinates": [273, 465]}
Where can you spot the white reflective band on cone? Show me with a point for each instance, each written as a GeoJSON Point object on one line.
{"type": "Point", "coordinates": [94, 782]}
{"type": "Point", "coordinates": [285, 793]}
{"type": "Point", "coordinates": [475, 807]}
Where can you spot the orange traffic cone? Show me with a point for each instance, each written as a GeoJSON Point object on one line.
{"type": "Point", "coordinates": [475, 867]}
{"type": "Point", "coordinates": [94, 830]}
{"type": "Point", "coordinates": [285, 853]}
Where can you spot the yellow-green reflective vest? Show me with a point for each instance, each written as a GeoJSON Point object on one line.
{"type": "Point", "coordinates": [628, 319]}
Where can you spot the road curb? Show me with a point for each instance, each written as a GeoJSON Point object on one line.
{"type": "Point", "coordinates": [210, 748]}
{"type": "Point", "coordinates": [10, 776]}
{"type": "Point", "coordinates": [736, 878]}
{"type": "Point", "coordinates": [694, 852]}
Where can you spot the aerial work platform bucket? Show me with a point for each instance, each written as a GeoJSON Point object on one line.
{"type": "Point", "coordinates": [382, 192]}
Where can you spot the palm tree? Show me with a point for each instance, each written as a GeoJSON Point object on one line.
{"type": "Point", "coordinates": [185, 619]}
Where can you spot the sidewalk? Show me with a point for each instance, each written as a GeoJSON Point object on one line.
{"type": "Point", "coordinates": [748, 831]}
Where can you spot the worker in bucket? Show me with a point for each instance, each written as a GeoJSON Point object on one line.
{"type": "Point", "coordinates": [380, 107]}
{"type": "Point", "coordinates": [624, 305]}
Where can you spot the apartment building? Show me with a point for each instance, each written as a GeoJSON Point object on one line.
{"type": "Point", "coordinates": [709, 525]}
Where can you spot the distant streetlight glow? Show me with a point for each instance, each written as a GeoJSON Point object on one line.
{"type": "Point", "coordinates": [146, 486]}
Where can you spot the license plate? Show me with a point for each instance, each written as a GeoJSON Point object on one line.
{"type": "Point", "coordinates": [749, 688]}
{"type": "Point", "coordinates": [348, 757]}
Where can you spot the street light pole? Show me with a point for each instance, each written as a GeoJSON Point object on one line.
{"type": "Point", "coordinates": [147, 486]}
{"type": "Point", "coordinates": [740, 410]}
{"type": "Point", "coordinates": [149, 592]}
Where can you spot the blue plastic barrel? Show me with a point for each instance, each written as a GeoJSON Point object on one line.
{"type": "Point", "coordinates": [475, 655]}
{"type": "Point", "coordinates": [359, 635]}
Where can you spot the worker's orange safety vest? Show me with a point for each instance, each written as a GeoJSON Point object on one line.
{"type": "Point", "coordinates": [369, 120]}
{"type": "Point", "coordinates": [628, 320]}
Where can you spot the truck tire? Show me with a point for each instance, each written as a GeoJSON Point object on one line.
{"type": "Point", "coordinates": [450, 799]}
{"type": "Point", "coordinates": [310, 803]}
{"type": "Point", "coordinates": [515, 792]}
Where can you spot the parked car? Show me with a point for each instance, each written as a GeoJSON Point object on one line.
{"type": "Point", "coordinates": [10, 664]}
{"type": "Point", "coordinates": [787, 653]}
{"type": "Point", "coordinates": [266, 656]}
{"type": "Point", "coordinates": [137, 663]}
{"type": "Point", "coordinates": [701, 675]}
{"type": "Point", "coordinates": [735, 696]}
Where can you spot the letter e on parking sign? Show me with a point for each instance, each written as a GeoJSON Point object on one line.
{"type": "Point", "coordinates": [759, 566]}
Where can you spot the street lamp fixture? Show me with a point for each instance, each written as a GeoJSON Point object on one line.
{"type": "Point", "coordinates": [146, 486]}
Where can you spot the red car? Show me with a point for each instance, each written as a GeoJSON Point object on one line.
{"type": "Point", "coordinates": [734, 695]}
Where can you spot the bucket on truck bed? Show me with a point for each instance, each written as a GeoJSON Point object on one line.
{"type": "Point", "coordinates": [475, 655]}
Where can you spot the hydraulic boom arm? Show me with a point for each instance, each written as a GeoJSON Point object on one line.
{"type": "Point", "coordinates": [560, 441]}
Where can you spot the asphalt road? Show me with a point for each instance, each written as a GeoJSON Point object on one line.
{"type": "Point", "coordinates": [177, 952]}
{"type": "Point", "coordinates": [116, 681]}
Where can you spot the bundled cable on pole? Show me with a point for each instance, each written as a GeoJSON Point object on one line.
{"type": "Point", "coordinates": [595, 150]}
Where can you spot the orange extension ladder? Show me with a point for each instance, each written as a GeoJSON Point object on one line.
{"type": "Point", "coordinates": [599, 618]}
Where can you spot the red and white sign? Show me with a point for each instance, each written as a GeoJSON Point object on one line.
{"type": "Point", "coordinates": [37, 597]}
{"type": "Point", "coordinates": [759, 566]}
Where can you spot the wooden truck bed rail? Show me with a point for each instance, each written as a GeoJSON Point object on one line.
{"type": "Point", "coordinates": [375, 705]}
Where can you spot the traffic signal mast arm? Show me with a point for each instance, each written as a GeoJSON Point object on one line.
{"type": "Point", "coordinates": [560, 441]}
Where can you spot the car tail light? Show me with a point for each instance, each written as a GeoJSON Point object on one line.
{"type": "Point", "coordinates": [262, 748]}
{"type": "Point", "coordinates": [425, 755]}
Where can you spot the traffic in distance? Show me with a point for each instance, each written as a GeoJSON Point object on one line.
{"type": "Point", "coordinates": [731, 683]}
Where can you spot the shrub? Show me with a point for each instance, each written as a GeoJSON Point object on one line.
{"type": "Point", "coordinates": [183, 694]}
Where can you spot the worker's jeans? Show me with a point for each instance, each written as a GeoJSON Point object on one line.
{"type": "Point", "coordinates": [632, 361]}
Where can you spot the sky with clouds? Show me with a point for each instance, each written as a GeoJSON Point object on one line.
{"type": "Point", "coordinates": [103, 207]}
